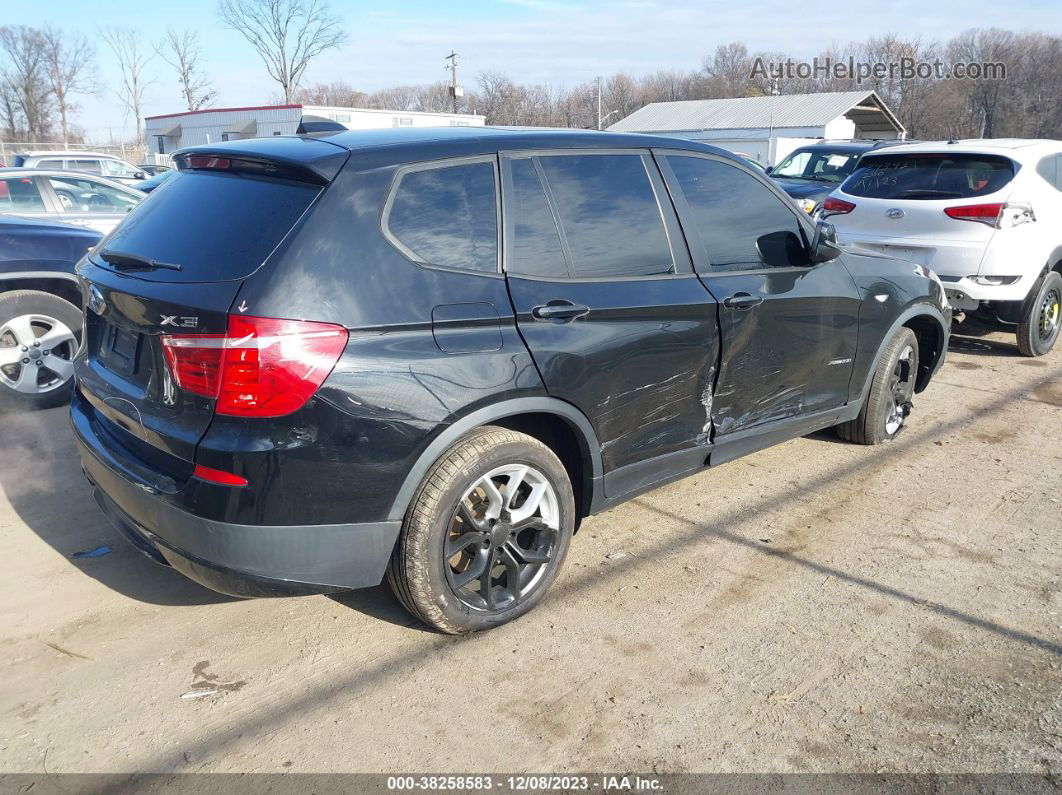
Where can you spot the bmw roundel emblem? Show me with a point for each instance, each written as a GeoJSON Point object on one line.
{"type": "Point", "coordinates": [895, 212]}
{"type": "Point", "coordinates": [95, 300]}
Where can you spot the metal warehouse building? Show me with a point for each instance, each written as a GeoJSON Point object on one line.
{"type": "Point", "coordinates": [168, 133]}
{"type": "Point", "coordinates": [769, 128]}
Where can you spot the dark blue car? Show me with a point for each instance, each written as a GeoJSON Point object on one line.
{"type": "Point", "coordinates": [40, 318]}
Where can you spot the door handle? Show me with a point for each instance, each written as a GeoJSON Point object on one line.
{"type": "Point", "coordinates": [742, 301]}
{"type": "Point", "coordinates": [561, 310]}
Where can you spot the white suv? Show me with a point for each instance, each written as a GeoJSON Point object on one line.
{"type": "Point", "coordinates": [985, 215]}
{"type": "Point", "coordinates": [89, 162]}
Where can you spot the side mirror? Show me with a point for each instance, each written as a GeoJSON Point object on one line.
{"type": "Point", "coordinates": [824, 245]}
{"type": "Point", "coordinates": [140, 175]}
{"type": "Point", "coordinates": [782, 249]}
{"type": "Point", "coordinates": [768, 169]}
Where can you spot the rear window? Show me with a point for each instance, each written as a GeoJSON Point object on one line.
{"type": "Point", "coordinates": [929, 176]}
{"type": "Point", "coordinates": [216, 225]}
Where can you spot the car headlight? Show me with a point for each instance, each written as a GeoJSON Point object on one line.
{"type": "Point", "coordinates": [994, 281]}
{"type": "Point", "coordinates": [807, 205]}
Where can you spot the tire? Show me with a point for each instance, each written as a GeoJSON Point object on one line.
{"type": "Point", "coordinates": [888, 403]}
{"type": "Point", "coordinates": [1039, 327]}
{"type": "Point", "coordinates": [452, 512]}
{"type": "Point", "coordinates": [28, 318]}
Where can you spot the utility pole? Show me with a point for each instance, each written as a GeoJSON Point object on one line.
{"type": "Point", "coordinates": [456, 91]}
{"type": "Point", "coordinates": [599, 102]}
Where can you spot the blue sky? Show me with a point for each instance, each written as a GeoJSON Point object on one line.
{"type": "Point", "coordinates": [562, 42]}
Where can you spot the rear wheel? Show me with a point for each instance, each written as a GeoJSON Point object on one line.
{"type": "Point", "coordinates": [1040, 324]}
{"type": "Point", "coordinates": [888, 403]}
{"type": "Point", "coordinates": [486, 534]}
{"type": "Point", "coordinates": [39, 335]}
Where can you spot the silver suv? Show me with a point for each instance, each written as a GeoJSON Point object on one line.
{"type": "Point", "coordinates": [89, 162]}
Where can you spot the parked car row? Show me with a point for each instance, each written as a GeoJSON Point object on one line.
{"type": "Point", "coordinates": [68, 196]}
{"type": "Point", "coordinates": [113, 168]}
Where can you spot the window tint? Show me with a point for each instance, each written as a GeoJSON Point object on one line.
{"type": "Point", "coordinates": [929, 176]}
{"type": "Point", "coordinates": [20, 194]}
{"type": "Point", "coordinates": [448, 216]}
{"type": "Point", "coordinates": [230, 223]}
{"type": "Point", "coordinates": [609, 215]}
{"type": "Point", "coordinates": [89, 196]}
{"type": "Point", "coordinates": [536, 242]}
{"type": "Point", "coordinates": [742, 223]}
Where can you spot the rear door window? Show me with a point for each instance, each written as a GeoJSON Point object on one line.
{"type": "Point", "coordinates": [609, 215]}
{"type": "Point", "coordinates": [20, 194]}
{"type": "Point", "coordinates": [929, 176]}
{"type": "Point", "coordinates": [741, 222]}
{"type": "Point", "coordinates": [446, 215]}
{"type": "Point", "coordinates": [230, 222]}
{"type": "Point", "coordinates": [91, 166]}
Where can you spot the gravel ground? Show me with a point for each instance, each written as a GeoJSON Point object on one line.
{"type": "Point", "coordinates": [818, 606]}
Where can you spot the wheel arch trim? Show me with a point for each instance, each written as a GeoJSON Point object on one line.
{"type": "Point", "coordinates": [584, 432]}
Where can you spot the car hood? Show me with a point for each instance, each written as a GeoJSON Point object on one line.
{"type": "Point", "coordinates": [806, 189]}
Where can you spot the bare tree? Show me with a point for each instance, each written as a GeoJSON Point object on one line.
{"type": "Point", "coordinates": [287, 34]}
{"type": "Point", "coordinates": [336, 94]}
{"type": "Point", "coordinates": [989, 45]}
{"type": "Point", "coordinates": [132, 61]}
{"type": "Point", "coordinates": [25, 75]}
{"type": "Point", "coordinates": [180, 50]}
{"type": "Point", "coordinates": [68, 59]}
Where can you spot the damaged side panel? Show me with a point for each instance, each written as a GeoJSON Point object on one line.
{"type": "Point", "coordinates": [789, 355]}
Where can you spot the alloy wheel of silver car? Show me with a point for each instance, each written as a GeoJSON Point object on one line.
{"type": "Point", "coordinates": [36, 354]}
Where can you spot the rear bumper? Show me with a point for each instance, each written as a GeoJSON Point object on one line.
{"type": "Point", "coordinates": [956, 262]}
{"type": "Point", "coordinates": [238, 559]}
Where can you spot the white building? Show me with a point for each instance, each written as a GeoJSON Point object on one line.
{"type": "Point", "coordinates": [172, 131]}
{"type": "Point", "coordinates": [769, 128]}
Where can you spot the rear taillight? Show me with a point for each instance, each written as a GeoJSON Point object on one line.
{"type": "Point", "coordinates": [834, 206]}
{"type": "Point", "coordinates": [982, 213]}
{"type": "Point", "coordinates": [261, 367]}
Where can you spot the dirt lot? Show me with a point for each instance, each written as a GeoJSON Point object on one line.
{"type": "Point", "coordinates": [816, 607]}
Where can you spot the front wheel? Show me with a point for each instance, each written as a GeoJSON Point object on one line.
{"type": "Point", "coordinates": [888, 403]}
{"type": "Point", "coordinates": [486, 534]}
{"type": "Point", "coordinates": [1040, 323]}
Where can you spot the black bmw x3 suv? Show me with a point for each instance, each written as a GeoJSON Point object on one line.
{"type": "Point", "coordinates": [312, 362]}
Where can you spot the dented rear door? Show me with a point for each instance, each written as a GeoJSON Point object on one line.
{"type": "Point", "coordinates": [614, 317]}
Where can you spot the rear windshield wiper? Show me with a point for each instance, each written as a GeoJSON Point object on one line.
{"type": "Point", "coordinates": [928, 193]}
{"type": "Point", "coordinates": [130, 262]}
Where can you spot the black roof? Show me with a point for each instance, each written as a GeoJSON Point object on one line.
{"type": "Point", "coordinates": [318, 151]}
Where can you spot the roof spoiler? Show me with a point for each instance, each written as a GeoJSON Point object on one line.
{"type": "Point", "coordinates": [318, 124]}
